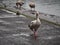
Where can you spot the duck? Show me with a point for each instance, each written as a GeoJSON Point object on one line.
{"type": "Point", "coordinates": [32, 5]}
{"type": "Point", "coordinates": [35, 24]}
{"type": "Point", "coordinates": [19, 3]}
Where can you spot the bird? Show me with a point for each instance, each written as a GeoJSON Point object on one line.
{"type": "Point", "coordinates": [19, 3]}
{"type": "Point", "coordinates": [32, 5]}
{"type": "Point", "coordinates": [35, 24]}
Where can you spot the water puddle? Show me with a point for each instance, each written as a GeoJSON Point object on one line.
{"type": "Point", "coordinates": [2, 21]}
{"type": "Point", "coordinates": [21, 34]}
{"type": "Point", "coordinates": [20, 22]}
{"type": "Point", "coordinates": [6, 23]}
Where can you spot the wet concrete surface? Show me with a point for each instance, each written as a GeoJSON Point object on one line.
{"type": "Point", "coordinates": [14, 30]}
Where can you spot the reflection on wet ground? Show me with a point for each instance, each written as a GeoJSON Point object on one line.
{"type": "Point", "coordinates": [14, 31]}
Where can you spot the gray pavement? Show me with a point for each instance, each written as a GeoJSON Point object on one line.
{"type": "Point", "coordinates": [14, 31]}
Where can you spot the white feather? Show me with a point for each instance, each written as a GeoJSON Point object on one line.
{"type": "Point", "coordinates": [36, 21]}
{"type": "Point", "coordinates": [33, 22]}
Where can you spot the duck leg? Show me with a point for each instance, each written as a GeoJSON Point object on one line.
{"type": "Point", "coordinates": [35, 34]}
{"type": "Point", "coordinates": [34, 31]}
{"type": "Point", "coordinates": [20, 6]}
{"type": "Point", "coordinates": [34, 9]}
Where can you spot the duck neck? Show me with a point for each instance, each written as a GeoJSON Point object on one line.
{"type": "Point", "coordinates": [37, 17]}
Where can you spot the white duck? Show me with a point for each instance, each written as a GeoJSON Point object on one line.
{"type": "Point", "coordinates": [35, 24]}
{"type": "Point", "coordinates": [19, 3]}
{"type": "Point", "coordinates": [32, 5]}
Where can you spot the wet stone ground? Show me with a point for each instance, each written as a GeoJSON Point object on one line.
{"type": "Point", "coordinates": [14, 30]}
